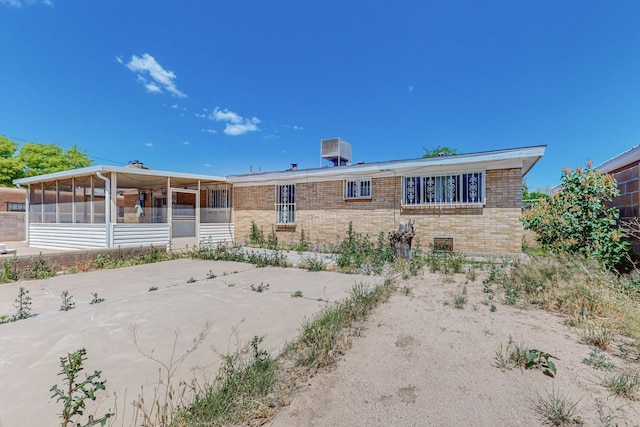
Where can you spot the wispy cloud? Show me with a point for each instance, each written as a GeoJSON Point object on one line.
{"type": "Point", "coordinates": [235, 124]}
{"type": "Point", "coordinates": [151, 74]}
{"type": "Point", "coordinates": [410, 88]}
{"type": "Point", "coordinates": [20, 3]}
{"type": "Point", "coordinates": [149, 144]}
{"type": "Point", "coordinates": [207, 165]}
{"type": "Point", "coordinates": [294, 127]}
{"type": "Point", "coordinates": [209, 130]}
{"type": "Point", "coordinates": [185, 143]}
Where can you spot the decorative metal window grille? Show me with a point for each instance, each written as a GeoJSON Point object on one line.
{"type": "Point", "coordinates": [460, 189]}
{"type": "Point", "coordinates": [15, 207]}
{"type": "Point", "coordinates": [357, 189]}
{"type": "Point", "coordinates": [220, 198]}
{"type": "Point", "coordinates": [286, 204]}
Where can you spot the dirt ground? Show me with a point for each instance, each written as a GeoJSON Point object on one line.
{"type": "Point", "coordinates": [422, 362]}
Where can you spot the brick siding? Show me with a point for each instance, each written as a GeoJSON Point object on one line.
{"type": "Point", "coordinates": [324, 215]}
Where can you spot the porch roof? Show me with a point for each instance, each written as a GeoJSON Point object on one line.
{"type": "Point", "coordinates": [127, 177]}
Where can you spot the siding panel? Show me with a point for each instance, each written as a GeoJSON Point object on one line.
{"type": "Point", "coordinates": [214, 233]}
{"type": "Point", "coordinates": [140, 234]}
{"type": "Point", "coordinates": [67, 236]}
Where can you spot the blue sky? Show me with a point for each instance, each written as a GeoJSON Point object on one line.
{"type": "Point", "coordinates": [218, 87]}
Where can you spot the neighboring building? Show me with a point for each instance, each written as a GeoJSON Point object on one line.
{"type": "Point", "coordinates": [625, 168]}
{"type": "Point", "coordinates": [469, 203]}
{"type": "Point", "coordinates": [12, 208]}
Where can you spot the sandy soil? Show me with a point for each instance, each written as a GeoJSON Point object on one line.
{"type": "Point", "coordinates": [421, 362]}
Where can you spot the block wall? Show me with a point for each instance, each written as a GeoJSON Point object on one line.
{"type": "Point", "coordinates": [12, 226]}
{"type": "Point", "coordinates": [324, 215]}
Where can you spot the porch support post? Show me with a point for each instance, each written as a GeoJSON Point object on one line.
{"type": "Point", "coordinates": [198, 214]}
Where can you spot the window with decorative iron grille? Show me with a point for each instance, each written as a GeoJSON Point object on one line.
{"type": "Point", "coordinates": [458, 189]}
{"type": "Point", "coordinates": [286, 204]}
{"type": "Point", "coordinates": [357, 189]}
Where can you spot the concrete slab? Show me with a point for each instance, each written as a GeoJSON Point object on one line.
{"type": "Point", "coordinates": [30, 349]}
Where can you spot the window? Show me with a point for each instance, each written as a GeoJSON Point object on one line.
{"type": "Point", "coordinates": [15, 207]}
{"type": "Point", "coordinates": [219, 198]}
{"type": "Point", "coordinates": [286, 204]}
{"type": "Point", "coordinates": [357, 189]}
{"type": "Point", "coordinates": [461, 189]}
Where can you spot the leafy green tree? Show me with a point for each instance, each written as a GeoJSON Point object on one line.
{"type": "Point", "coordinates": [36, 159]}
{"type": "Point", "coordinates": [40, 159]}
{"type": "Point", "coordinates": [9, 165]}
{"type": "Point", "coordinates": [579, 220]}
{"type": "Point", "coordinates": [532, 196]}
{"type": "Point", "coordinates": [440, 151]}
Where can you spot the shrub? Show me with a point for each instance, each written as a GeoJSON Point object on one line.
{"type": "Point", "coordinates": [578, 218]}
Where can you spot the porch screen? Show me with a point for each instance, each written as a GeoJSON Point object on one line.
{"type": "Point", "coordinates": [463, 189]}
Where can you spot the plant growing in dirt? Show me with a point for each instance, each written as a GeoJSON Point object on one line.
{"type": "Point", "coordinates": [153, 288]}
{"type": "Point", "coordinates": [624, 384]}
{"type": "Point", "coordinates": [313, 263]}
{"type": "Point", "coordinates": [22, 305]}
{"type": "Point", "coordinates": [296, 294]}
{"type": "Point", "coordinates": [519, 354]}
{"type": "Point", "coordinates": [460, 300]}
{"type": "Point", "coordinates": [356, 253]}
{"type": "Point", "coordinates": [9, 270]}
{"type": "Point", "coordinates": [557, 409]}
{"type": "Point", "coordinates": [542, 360]}
{"type": "Point", "coordinates": [39, 269]}
{"type": "Point", "coordinates": [302, 245]}
{"type": "Point", "coordinates": [211, 275]}
{"type": "Point", "coordinates": [67, 301]}
{"type": "Point", "coordinates": [75, 391]}
{"type": "Point", "coordinates": [96, 299]}
{"type": "Point", "coordinates": [191, 280]}
{"type": "Point", "coordinates": [256, 235]}
{"type": "Point", "coordinates": [598, 360]}
{"type": "Point", "coordinates": [579, 219]}
{"type": "Point", "coordinates": [259, 288]}
{"type": "Point", "coordinates": [272, 239]}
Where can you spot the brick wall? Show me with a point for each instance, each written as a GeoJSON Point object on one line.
{"type": "Point", "coordinates": [12, 226]}
{"type": "Point", "coordinates": [629, 198]}
{"type": "Point", "coordinates": [16, 195]}
{"type": "Point", "coordinates": [324, 215]}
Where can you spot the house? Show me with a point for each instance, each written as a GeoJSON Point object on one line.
{"type": "Point", "coordinates": [469, 203]}
{"type": "Point", "coordinates": [625, 168]}
{"type": "Point", "coordinates": [12, 208]}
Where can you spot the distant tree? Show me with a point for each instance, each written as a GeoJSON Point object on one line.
{"type": "Point", "coordinates": [532, 196]}
{"type": "Point", "coordinates": [440, 151]}
{"type": "Point", "coordinates": [36, 159]}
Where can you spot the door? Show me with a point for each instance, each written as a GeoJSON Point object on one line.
{"type": "Point", "coordinates": [183, 213]}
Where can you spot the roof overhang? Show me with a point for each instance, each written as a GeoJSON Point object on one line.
{"type": "Point", "coordinates": [523, 158]}
{"type": "Point", "coordinates": [126, 177]}
{"type": "Point", "coordinates": [620, 161]}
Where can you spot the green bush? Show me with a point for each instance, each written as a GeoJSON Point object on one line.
{"type": "Point", "coordinates": [579, 220]}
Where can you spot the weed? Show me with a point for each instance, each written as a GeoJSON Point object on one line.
{"type": "Point", "coordinates": [67, 301]}
{"type": "Point", "coordinates": [492, 308]}
{"type": "Point", "coordinates": [259, 288]}
{"type": "Point", "coordinates": [296, 294]}
{"type": "Point", "coordinates": [357, 254]}
{"type": "Point", "coordinates": [557, 409]}
{"type": "Point", "coordinates": [22, 305]}
{"type": "Point", "coordinates": [211, 275]}
{"type": "Point", "coordinates": [39, 269]}
{"type": "Point", "coordinates": [96, 299]}
{"type": "Point", "coordinates": [598, 360]}
{"type": "Point", "coordinates": [598, 334]}
{"type": "Point", "coordinates": [471, 274]}
{"type": "Point", "coordinates": [406, 291]}
{"type": "Point", "coordinates": [153, 288]}
{"type": "Point", "coordinates": [624, 384]}
{"type": "Point", "coordinates": [529, 358]}
{"type": "Point", "coordinates": [191, 280]}
{"type": "Point", "coordinates": [75, 391]}
{"type": "Point", "coordinates": [9, 270]}
{"type": "Point", "coordinates": [302, 245]}
{"type": "Point", "coordinates": [256, 235]}
{"type": "Point", "coordinates": [314, 263]}
{"type": "Point", "coordinates": [225, 252]}
{"type": "Point", "coordinates": [460, 300]}
{"type": "Point", "coordinates": [540, 359]}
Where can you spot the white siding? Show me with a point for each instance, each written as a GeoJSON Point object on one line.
{"type": "Point", "coordinates": [67, 236]}
{"type": "Point", "coordinates": [213, 233]}
{"type": "Point", "coordinates": [140, 234]}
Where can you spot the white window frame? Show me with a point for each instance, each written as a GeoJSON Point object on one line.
{"type": "Point", "coordinates": [452, 189]}
{"type": "Point", "coordinates": [357, 189]}
{"type": "Point", "coordinates": [285, 205]}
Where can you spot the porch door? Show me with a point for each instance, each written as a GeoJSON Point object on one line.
{"type": "Point", "coordinates": [183, 213]}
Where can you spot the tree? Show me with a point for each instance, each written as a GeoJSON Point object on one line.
{"type": "Point", "coordinates": [531, 197]}
{"type": "Point", "coordinates": [36, 159]}
{"type": "Point", "coordinates": [440, 151]}
{"type": "Point", "coordinates": [578, 219]}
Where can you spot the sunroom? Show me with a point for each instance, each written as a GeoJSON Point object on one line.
{"type": "Point", "coordinates": [113, 206]}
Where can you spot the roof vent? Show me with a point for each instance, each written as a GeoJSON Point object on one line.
{"type": "Point", "coordinates": [335, 150]}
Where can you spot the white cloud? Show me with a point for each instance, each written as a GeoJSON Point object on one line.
{"type": "Point", "coordinates": [149, 144]}
{"type": "Point", "coordinates": [146, 67]}
{"type": "Point", "coordinates": [207, 165]}
{"type": "Point", "coordinates": [174, 107]}
{"type": "Point", "coordinates": [235, 124]}
{"type": "Point", "coordinates": [20, 3]}
{"type": "Point", "coordinates": [294, 127]}
{"type": "Point", "coordinates": [200, 115]}
{"type": "Point", "coordinates": [410, 88]}
{"type": "Point", "coordinates": [186, 143]}
{"type": "Point", "coordinates": [210, 130]}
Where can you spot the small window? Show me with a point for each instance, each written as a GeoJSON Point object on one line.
{"type": "Point", "coordinates": [286, 204]}
{"type": "Point", "coordinates": [459, 189]}
{"type": "Point", "coordinates": [357, 189]}
{"type": "Point", "coordinates": [15, 207]}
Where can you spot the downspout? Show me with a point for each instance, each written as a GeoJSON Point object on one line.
{"type": "Point", "coordinates": [107, 205]}
{"type": "Point", "coordinates": [26, 213]}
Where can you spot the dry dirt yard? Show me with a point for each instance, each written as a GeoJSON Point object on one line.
{"type": "Point", "coordinates": [419, 361]}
